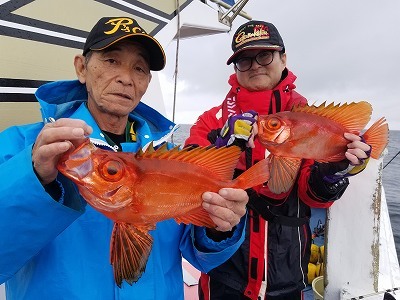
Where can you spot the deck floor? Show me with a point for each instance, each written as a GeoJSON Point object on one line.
{"type": "Point", "coordinates": [191, 276]}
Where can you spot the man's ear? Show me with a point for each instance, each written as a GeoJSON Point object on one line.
{"type": "Point", "coordinates": [80, 68]}
{"type": "Point", "coordinates": [150, 76]}
{"type": "Point", "coordinates": [283, 58]}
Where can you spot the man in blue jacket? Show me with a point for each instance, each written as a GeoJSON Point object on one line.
{"type": "Point", "coordinates": [52, 245]}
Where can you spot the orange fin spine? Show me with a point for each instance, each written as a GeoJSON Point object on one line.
{"type": "Point", "coordinates": [256, 175]}
{"type": "Point", "coordinates": [352, 116]}
{"type": "Point", "coordinates": [221, 161]}
{"type": "Point", "coordinates": [377, 136]}
{"type": "Point", "coordinates": [130, 250]}
{"type": "Point", "coordinates": [198, 217]}
{"type": "Point", "coordinates": [283, 173]}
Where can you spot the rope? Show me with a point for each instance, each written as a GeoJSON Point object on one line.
{"type": "Point", "coordinates": [391, 159]}
{"type": "Point", "coordinates": [178, 33]}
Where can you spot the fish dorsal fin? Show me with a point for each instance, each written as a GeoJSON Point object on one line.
{"type": "Point", "coordinates": [130, 250]}
{"type": "Point", "coordinates": [283, 173]}
{"type": "Point", "coordinates": [353, 116]}
{"type": "Point", "coordinates": [198, 217]}
{"type": "Point", "coordinates": [220, 161]}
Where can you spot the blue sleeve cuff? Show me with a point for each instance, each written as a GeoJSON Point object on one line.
{"type": "Point", "coordinates": [56, 191]}
{"type": "Point", "coordinates": [205, 244]}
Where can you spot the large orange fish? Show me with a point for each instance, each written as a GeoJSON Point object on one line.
{"type": "Point", "coordinates": [139, 190]}
{"type": "Point", "coordinates": [315, 132]}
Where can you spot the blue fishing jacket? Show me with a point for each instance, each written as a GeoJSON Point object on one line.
{"type": "Point", "coordinates": [60, 249]}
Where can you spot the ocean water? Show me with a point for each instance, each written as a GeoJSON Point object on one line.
{"type": "Point", "coordinates": [391, 183]}
{"type": "Point", "coordinates": [391, 177]}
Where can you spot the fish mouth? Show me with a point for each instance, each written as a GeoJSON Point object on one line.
{"type": "Point", "coordinates": [112, 192]}
{"type": "Point", "coordinates": [77, 169]}
{"type": "Point", "coordinates": [275, 138]}
{"type": "Point", "coordinates": [77, 165]}
{"type": "Point", "coordinates": [282, 136]}
{"type": "Point", "coordinates": [108, 202]}
{"type": "Point", "coordinates": [104, 202]}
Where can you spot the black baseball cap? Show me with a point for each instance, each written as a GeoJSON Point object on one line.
{"type": "Point", "coordinates": [256, 35]}
{"type": "Point", "coordinates": [109, 30]}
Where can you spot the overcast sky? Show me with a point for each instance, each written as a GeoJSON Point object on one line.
{"type": "Point", "coordinates": [341, 51]}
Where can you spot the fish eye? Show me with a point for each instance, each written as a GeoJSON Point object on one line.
{"type": "Point", "coordinates": [274, 123]}
{"type": "Point", "coordinates": [111, 170]}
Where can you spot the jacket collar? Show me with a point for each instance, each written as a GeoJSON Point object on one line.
{"type": "Point", "coordinates": [241, 100]}
{"type": "Point", "coordinates": [63, 99]}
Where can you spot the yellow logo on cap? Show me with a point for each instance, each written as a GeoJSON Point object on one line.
{"type": "Point", "coordinates": [123, 24]}
{"type": "Point", "coordinates": [259, 32]}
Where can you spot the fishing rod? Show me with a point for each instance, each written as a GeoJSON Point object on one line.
{"type": "Point", "coordinates": [391, 159]}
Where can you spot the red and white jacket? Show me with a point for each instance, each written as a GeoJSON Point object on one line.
{"type": "Point", "coordinates": [273, 259]}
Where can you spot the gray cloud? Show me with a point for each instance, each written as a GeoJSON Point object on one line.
{"type": "Point", "coordinates": [340, 50]}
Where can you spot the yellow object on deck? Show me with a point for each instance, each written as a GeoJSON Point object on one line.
{"type": "Point", "coordinates": [318, 288]}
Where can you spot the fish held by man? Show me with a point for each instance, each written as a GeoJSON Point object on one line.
{"type": "Point", "coordinates": [138, 190]}
{"type": "Point", "coordinates": [315, 132]}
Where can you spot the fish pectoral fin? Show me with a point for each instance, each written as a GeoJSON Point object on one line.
{"type": "Point", "coordinates": [130, 250]}
{"type": "Point", "coordinates": [198, 217]}
{"type": "Point", "coordinates": [283, 172]}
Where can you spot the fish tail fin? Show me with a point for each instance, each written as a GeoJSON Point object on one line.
{"type": "Point", "coordinates": [256, 175]}
{"type": "Point", "coordinates": [130, 249]}
{"type": "Point", "coordinates": [377, 136]}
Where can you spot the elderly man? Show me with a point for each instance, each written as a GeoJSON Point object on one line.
{"type": "Point", "coordinates": [53, 245]}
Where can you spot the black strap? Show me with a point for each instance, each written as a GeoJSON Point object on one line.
{"type": "Point", "coordinates": [249, 157]}
{"type": "Point", "coordinates": [278, 101]}
{"type": "Point", "coordinates": [260, 206]}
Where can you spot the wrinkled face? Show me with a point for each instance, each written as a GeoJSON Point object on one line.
{"type": "Point", "coordinates": [116, 78]}
{"type": "Point", "coordinates": [259, 78]}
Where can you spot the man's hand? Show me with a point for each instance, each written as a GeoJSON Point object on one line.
{"type": "Point", "coordinates": [357, 154]}
{"type": "Point", "coordinates": [226, 208]}
{"type": "Point", "coordinates": [53, 140]}
{"type": "Point", "coordinates": [357, 151]}
{"type": "Point", "coordinates": [239, 130]}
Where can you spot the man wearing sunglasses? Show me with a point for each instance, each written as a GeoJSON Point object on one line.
{"type": "Point", "coordinates": [272, 262]}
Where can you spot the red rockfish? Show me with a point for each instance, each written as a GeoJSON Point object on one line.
{"type": "Point", "coordinates": [312, 132]}
{"type": "Point", "coordinates": [138, 190]}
